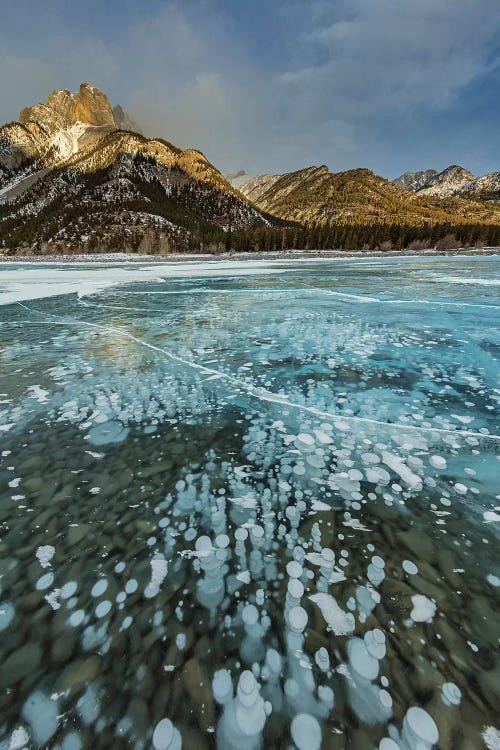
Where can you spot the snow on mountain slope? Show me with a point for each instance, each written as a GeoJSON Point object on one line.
{"type": "Point", "coordinates": [413, 181]}
{"type": "Point", "coordinates": [447, 183]}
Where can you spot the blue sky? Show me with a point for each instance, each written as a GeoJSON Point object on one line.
{"type": "Point", "coordinates": [276, 85]}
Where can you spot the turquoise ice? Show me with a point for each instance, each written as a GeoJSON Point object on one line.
{"type": "Point", "coordinates": [278, 478]}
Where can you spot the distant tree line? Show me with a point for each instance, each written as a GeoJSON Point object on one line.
{"type": "Point", "coordinates": [364, 237]}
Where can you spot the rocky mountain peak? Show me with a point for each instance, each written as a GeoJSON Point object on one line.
{"type": "Point", "coordinates": [448, 182]}
{"type": "Point", "coordinates": [63, 108]}
{"type": "Point", "coordinates": [124, 121]}
{"type": "Point", "coordinates": [414, 181]}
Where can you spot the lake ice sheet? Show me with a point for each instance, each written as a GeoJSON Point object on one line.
{"type": "Point", "coordinates": [250, 505]}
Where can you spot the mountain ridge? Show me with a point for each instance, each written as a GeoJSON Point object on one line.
{"type": "Point", "coordinates": [73, 174]}
{"type": "Point", "coordinates": [70, 175]}
{"type": "Point", "coordinates": [452, 182]}
{"type": "Point", "coordinates": [315, 194]}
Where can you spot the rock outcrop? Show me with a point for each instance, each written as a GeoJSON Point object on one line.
{"type": "Point", "coordinates": [413, 181]}
{"type": "Point", "coordinates": [447, 183]}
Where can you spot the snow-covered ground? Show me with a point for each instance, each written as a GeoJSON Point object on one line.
{"type": "Point", "coordinates": [19, 283]}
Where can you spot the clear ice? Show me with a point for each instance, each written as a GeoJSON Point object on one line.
{"type": "Point", "coordinates": [251, 506]}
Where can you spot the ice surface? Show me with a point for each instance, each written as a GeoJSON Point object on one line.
{"type": "Point", "coordinates": [292, 509]}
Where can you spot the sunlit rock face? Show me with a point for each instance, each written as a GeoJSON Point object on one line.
{"type": "Point", "coordinates": [250, 505]}
{"type": "Point", "coordinates": [51, 132]}
{"type": "Point", "coordinates": [88, 105]}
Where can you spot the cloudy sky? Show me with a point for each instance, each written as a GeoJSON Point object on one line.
{"type": "Point", "coordinates": [276, 85]}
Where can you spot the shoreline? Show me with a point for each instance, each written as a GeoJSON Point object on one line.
{"type": "Point", "coordinates": [104, 258]}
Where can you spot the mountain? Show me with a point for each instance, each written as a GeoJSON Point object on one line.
{"type": "Point", "coordinates": [253, 187]}
{"type": "Point", "coordinates": [71, 178]}
{"type": "Point", "coordinates": [357, 196]}
{"type": "Point", "coordinates": [452, 181]}
{"type": "Point", "coordinates": [75, 177]}
{"type": "Point", "coordinates": [413, 181]}
{"type": "Point", "coordinates": [51, 132]}
{"type": "Point", "coordinates": [447, 183]}
{"type": "Point", "coordinates": [124, 121]}
{"type": "Point", "coordinates": [485, 188]}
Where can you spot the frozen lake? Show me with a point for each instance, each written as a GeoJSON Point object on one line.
{"type": "Point", "coordinates": [250, 504]}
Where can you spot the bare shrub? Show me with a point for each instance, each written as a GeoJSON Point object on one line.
{"type": "Point", "coordinates": [386, 245]}
{"type": "Point", "coordinates": [417, 245]}
{"type": "Point", "coordinates": [449, 242]}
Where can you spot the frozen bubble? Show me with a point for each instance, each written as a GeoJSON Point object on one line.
{"type": "Point", "coordinates": [385, 698]}
{"type": "Point", "coordinates": [297, 619]}
{"type": "Point", "coordinates": [378, 562]}
{"type": "Point", "coordinates": [203, 544]}
{"type": "Point", "coordinates": [166, 736]}
{"type": "Point", "coordinates": [322, 437]}
{"type": "Point", "coordinates": [241, 534]}
{"type": "Point", "coordinates": [131, 586]}
{"type": "Point", "coordinates": [247, 687]}
{"type": "Point", "coordinates": [41, 713]}
{"type": "Point", "coordinates": [322, 659]}
{"type": "Point", "coordinates": [103, 608]}
{"type": "Point", "coordinates": [7, 613]}
{"type": "Point", "coordinates": [294, 569]}
{"type": "Point", "coordinates": [190, 534]}
{"type": "Point", "coordinates": [222, 541]}
{"type": "Point", "coordinates": [306, 732]}
{"type": "Point", "coordinates": [388, 744]}
{"type": "Point", "coordinates": [304, 441]}
{"type": "Point", "coordinates": [370, 459]}
{"type": "Point", "coordinates": [410, 567]}
{"type": "Point", "coordinates": [120, 567]}
{"type": "Point", "coordinates": [87, 706]}
{"type": "Point", "coordinates": [222, 686]}
{"type": "Point", "coordinates": [438, 462]}
{"type": "Point", "coordinates": [451, 694]}
{"type": "Point", "coordinates": [76, 618]}
{"type": "Point", "coordinates": [460, 488]}
{"type": "Point", "coordinates": [423, 608]}
{"type": "Point", "coordinates": [490, 516]}
{"type": "Point", "coordinates": [250, 615]}
{"type": "Point", "coordinates": [295, 588]}
{"type": "Point", "coordinates": [492, 580]}
{"type": "Point", "coordinates": [45, 581]}
{"type": "Point", "coordinates": [379, 476]}
{"type": "Point", "coordinates": [72, 741]}
{"type": "Point", "coordinates": [360, 661]}
{"type": "Point", "coordinates": [420, 726]}
{"type": "Point", "coordinates": [99, 588]}
{"type": "Point", "coordinates": [68, 589]}
{"type": "Point", "coordinates": [273, 661]}
{"type": "Point", "coordinates": [375, 643]}
{"type": "Point", "coordinates": [328, 555]}
{"type": "Point", "coordinates": [108, 432]}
